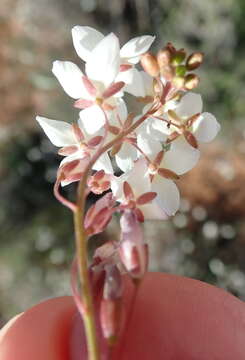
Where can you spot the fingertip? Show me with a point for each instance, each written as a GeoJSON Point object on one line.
{"type": "Point", "coordinates": [41, 332]}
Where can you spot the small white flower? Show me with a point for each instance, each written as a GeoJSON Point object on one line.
{"type": "Point", "coordinates": [85, 39]}
{"type": "Point", "coordinates": [74, 141]}
{"type": "Point", "coordinates": [188, 119]}
{"type": "Point", "coordinates": [139, 180]}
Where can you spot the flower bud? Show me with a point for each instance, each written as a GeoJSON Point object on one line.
{"type": "Point", "coordinates": [178, 82]}
{"type": "Point", "coordinates": [194, 60]}
{"type": "Point", "coordinates": [180, 70]}
{"type": "Point", "coordinates": [133, 250]}
{"type": "Point", "coordinates": [163, 57]}
{"type": "Point", "coordinates": [150, 64]}
{"type": "Point", "coordinates": [191, 81]}
{"type": "Point", "coordinates": [178, 57]}
{"type": "Point", "coordinates": [110, 319]}
{"type": "Point", "coordinates": [167, 72]}
{"type": "Point", "coordinates": [111, 304]}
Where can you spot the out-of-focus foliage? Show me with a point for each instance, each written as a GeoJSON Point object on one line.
{"type": "Point", "coordinates": [206, 240]}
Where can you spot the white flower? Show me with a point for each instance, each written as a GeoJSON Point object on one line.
{"type": "Point", "coordinates": [139, 180]}
{"type": "Point", "coordinates": [99, 87]}
{"type": "Point", "coordinates": [166, 166]}
{"type": "Point", "coordinates": [127, 154]}
{"type": "Point", "coordinates": [75, 142]}
{"type": "Point", "coordinates": [85, 39]}
{"type": "Point", "coordinates": [188, 119]}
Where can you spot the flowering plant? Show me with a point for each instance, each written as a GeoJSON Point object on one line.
{"type": "Point", "coordinates": [150, 150]}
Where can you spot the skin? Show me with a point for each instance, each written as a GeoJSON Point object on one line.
{"type": "Point", "coordinates": [173, 318]}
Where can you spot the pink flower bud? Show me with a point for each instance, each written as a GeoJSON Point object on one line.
{"type": "Point", "coordinates": [99, 215]}
{"type": "Point", "coordinates": [132, 251]}
{"type": "Point", "coordinates": [111, 305]}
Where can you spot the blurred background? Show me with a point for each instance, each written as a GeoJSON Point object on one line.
{"type": "Point", "coordinates": [206, 239]}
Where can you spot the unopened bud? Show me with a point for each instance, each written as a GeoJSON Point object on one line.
{"type": "Point", "coordinates": [163, 57]}
{"type": "Point", "coordinates": [191, 81]}
{"type": "Point", "coordinates": [178, 82]}
{"type": "Point", "coordinates": [180, 70]}
{"type": "Point", "coordinates": [111, 304]}
{"type": "Point", "coordinates": [150, 64]}
{"type": "Point", "coordinates": [178, 57]}
{"type": "Point", "coordinates": [132, 250]}
{"type": "Point", "coordinates": [194, 60]}
{"type": "Point", "coordinates": [167, 72]}
{"type": "Point", "coordinates": [110, 319]}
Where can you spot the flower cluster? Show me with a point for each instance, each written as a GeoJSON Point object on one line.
{"type": "Point", "coordinates": [137, 157]}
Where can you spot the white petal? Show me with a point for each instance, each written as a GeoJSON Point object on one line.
{"type": "Point", "coordinates": [139, 184]}
{"type": "Point", "coordinates": [85, 39]}
{"type": "Point", "coordinates": [104, 163]}
{"type": "Point", "coordinates": [59, 132]}
{"type": "Point", "coordinates": [134, 82]}
{"type": "Point", "coordinates": [152, 211]}
{"type": "Point", "coordinates": [168, 197]}
{"type": "Point", "coordinates": [181, 157]}
{"type": "Point", "coordinates": [148, 84]}
{"type": "Point", "coordinates": [136, 46]}
{"type": "Point", "coordinates": [122, 110]}
{"type": "Point", "coordinates": [104, 60]}
{"type": "Point", "coordinates": [189, 105]}
{"type": "Point", "coordinates": [157, 129]}
{"type": "Point", "coordinates": [206, 127]}
{"type": "Point", "coordinates": [92, 119]}
{"type": "Point", "coordinates": [126, 156]}
{"type": "Point", "coordinates": [149, 145]}
{"type": "Point", "coordinates": [70, 78]}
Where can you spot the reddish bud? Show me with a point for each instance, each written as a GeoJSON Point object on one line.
{"type": "Point", "coordinates": [132, 250]}
{"type": "Point", "coordinates": [194, 60]}
{"type": "Point", "coordinates": [163, 57]}
{"type": "Point", "coordinates": [99, 215]}
{"type": "Point", "coordinates": [191, 81]}
{"type": "Point", "coordinates": [167, 72]}
{"type": "Point", "coordinates": [150, 64]}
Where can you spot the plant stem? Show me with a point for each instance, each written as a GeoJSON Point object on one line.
{"type": "Point", "coordinates": [87, 299]}
{"type": "Point", "coordinates": [81, 245]}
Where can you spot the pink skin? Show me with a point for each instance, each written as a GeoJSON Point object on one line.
{"type": "Point", "coordinates": [174, 318]}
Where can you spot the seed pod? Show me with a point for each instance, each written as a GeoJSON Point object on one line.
{"type": "Point", "coordinates": [194, 60]}
{"type": "Point", "coordinates": [191, 81]}
{"type": "Point", "coordinates": [150, 64]}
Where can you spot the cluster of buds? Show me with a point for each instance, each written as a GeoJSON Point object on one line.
{"type": "Point", "coordinates": [151, 149]}
{"type": "Point", "coordinates": [174, 65]}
